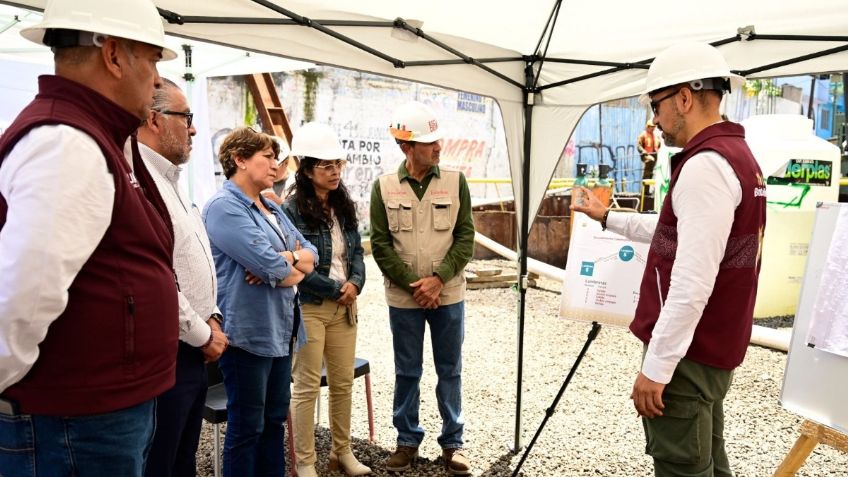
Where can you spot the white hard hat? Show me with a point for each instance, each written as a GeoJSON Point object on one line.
{"type": "Point", "coordinates": [415, 122]}
{"type": "Point", "coordinates": [136, 20]}
{"type": "Point", "coordinates": [687, 62]}
{"type": "Point", "coordinates": [317, 140]}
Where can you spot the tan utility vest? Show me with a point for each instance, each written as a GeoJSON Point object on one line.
{"type": "Point", "coordinates": [422, 232]}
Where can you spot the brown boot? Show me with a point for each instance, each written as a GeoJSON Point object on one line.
{"type": "Point", "coordinates": [455, 462]}
{"type": "Point", "coordinates": [402, 459]}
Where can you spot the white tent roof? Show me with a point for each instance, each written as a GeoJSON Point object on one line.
{"type": "Point", "coordinates": [611, 32]}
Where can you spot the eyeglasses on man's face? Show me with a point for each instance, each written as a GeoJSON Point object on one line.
{"type": "Point", "coordinates": [331, 165]}
{"type": "Point", "coordinates": [189, 116]}
{"type": "Point", "coordinates": [655, 103]}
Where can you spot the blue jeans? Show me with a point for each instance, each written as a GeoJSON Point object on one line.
{"type": "Point", "coordinates": [115, 443]}
{"type": "Point", "coordinates": [447, 331]}
{"type": "Point", "coordinates": [258, 396]}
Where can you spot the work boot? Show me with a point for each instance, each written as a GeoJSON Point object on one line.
{"type": "Point", "coordinates": [402, 459]}
{"type": "Point", "coordinates": [455, 462]}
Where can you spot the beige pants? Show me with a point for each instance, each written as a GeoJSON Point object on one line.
{"type": "Point", "coordinates": [331, 337]}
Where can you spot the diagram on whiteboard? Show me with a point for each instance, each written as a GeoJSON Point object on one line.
{"type": "Point", "coordinates": [602, 275]}
{"type": "Point", "coordinates": [829, 323]}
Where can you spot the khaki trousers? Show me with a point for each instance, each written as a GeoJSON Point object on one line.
{"type": "Point", "coordinates": [331, 337]}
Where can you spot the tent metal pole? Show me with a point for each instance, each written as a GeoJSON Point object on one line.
{"type": "Point", "coordinates": [523, 237]}
{"type": "Point", "coordinates": [172, 17]}
{"type": "Point", "coordinates": [798, 59]}
{"type": "Point", "coordinates": [503, 59]}
{"type": "Point", "coordinates": [401, 23]}
{"type": "Point", "coordinates": [314, 24]}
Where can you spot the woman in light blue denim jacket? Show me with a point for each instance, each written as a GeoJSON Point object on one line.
{"type": "Point", "coordinates": [324, 212]}
{"type": "Point", "coordinates": [260, 257]}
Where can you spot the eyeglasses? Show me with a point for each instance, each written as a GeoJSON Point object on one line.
{"type": "Point", "coordinates": [189, 116]}
{"type": "Point", "coordinates": [330, 165]}
{"type": "Point", "coordinates": [655, 104]}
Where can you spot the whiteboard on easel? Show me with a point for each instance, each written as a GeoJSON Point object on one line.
{"type": "Point", "coordinates": [815, 384]}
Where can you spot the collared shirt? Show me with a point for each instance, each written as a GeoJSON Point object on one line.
{"type": "Point", "coordinates": [381, 240]}
{"type": "Point", "coordinates": [192, 254]}
{"type": "Point", "coordinates": [60, 206]}
{"type": "Point", "coordinates": [704, 199]}
{"type": "Point", "coordinates": [257, 318]}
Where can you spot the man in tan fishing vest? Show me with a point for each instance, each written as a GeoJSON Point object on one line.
{"type": "Point", "coordinates": [422, 236]}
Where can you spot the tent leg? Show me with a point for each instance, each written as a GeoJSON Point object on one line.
{"type": "Point", "coordinates": [524, 232]}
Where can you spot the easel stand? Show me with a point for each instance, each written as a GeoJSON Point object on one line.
{"type": "Point", "coordinates": [593, 333]}
{"type": "Point", "coordinates": [812, 434]}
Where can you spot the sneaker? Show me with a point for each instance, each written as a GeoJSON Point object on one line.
{"type": "Point", "coordinates": [402, 459]}
{"type": "Point", "coordinates": [455, 462]}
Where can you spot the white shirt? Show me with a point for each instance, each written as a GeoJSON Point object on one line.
{"type": "Point", "coordinates": [704, 200]}
{"type": "Point", "coordinates": [60, 197]}
{"type": "Point", "coordinates": [193, 261]}
{"type": "Point", "coordinates": [338, 266]}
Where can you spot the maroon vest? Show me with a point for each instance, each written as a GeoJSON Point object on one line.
{"type": "Point", "coordinates": [722, 335]}
{"type": "Point", "coordinates": [115, 344]}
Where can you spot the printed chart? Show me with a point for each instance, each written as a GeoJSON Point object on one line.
{"type": "Point", "coordinates": [602, 275]}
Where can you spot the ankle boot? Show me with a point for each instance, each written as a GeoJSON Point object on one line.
{"type": "Point", "coordinates": [348, 464]}
{"type": "Point", "coordinates": [306, 471]}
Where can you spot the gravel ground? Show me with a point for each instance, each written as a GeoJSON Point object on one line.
{"type": "Point", "coordinates": [594, 431]}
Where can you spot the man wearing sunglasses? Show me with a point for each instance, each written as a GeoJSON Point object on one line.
{"type": "Point", "coordinates": [165, 145]}
{"type": "Point", "coordinates": [697, 296]}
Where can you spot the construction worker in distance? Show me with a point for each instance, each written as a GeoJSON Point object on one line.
{"type": "Point", "coordinates": [422, 236]}
{"type": "Point", "coordinates": [696, 300]}
{"type": "Point", "coordinates": [647, 145]}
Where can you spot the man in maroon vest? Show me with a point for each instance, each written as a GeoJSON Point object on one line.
{"type": "Point", "coordinates": [697, 295]}
{"type": "Point", "coordinates": [88, 299]}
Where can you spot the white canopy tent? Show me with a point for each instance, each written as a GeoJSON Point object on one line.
{"type": "Point", "coordinates": [544, 61]}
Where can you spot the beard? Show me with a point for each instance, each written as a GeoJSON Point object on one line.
{"type": "Point", "coordinates": [176, 151]}
{"type": "Point", "coordinates": [672, 130]}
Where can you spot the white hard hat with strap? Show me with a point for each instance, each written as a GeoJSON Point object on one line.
{"type": "Point", "coordinates": [318, 141]}
{"type": "Point", "coordinates": [415, 122]}
{"type": "Point", "coordinates": [136, 20]}
{"type": "Point", "coordinates": [699, 64]}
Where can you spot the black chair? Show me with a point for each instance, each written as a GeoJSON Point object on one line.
{"type": "Point", "coordinates": [215, 411]}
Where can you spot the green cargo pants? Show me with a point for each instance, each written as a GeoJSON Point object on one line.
{"type": "Point", "coordinates": [687, 440]}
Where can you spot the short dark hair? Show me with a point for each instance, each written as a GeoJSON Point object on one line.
{"type": "Point", "coordinates": [243, 142]}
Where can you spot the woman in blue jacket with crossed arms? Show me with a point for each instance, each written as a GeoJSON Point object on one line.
{"type": "Point", "coordinates": [260, 257]}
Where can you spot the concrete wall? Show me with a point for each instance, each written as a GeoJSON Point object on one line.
{"type": "Point", "coordinates": [359, 106]}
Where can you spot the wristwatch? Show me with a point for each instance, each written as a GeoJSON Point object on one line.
{"type": "Point", "coordinates": [295, 258]}
{"type": "Point", "coordinates": [217, 317]}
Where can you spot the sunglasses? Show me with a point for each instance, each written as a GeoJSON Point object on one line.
{"type": "Point", "coordinates": [189, 116]}
{"type": "Point", "coordinates": [655, 104]}
{"type": "Point", "coordinates": [330, 165]}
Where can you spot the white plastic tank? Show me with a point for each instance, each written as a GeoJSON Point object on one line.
{"type": "Point", "coordinates": [800, 170]}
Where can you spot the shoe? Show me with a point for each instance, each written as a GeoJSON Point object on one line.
{"type": "Point", "coordinates": [455, 462]}
{"type": "Point", "coordinates": [402, 459]}
{"type": "Point", "coordinates": [347, 464]}
{"type": "Point", "coordinates": [306, 471]}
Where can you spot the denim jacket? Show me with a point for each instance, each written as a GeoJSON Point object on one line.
{"type": "Point", "coordinates": [318, 285]}
{"type": "Point", "coordinates": [263, 319]}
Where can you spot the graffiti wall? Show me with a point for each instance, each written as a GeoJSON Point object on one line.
{"type": "Point", "coordinates": [359, 107]}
